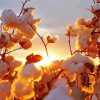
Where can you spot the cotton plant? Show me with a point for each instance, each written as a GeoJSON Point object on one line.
{"type": "Point", "coordinates": [87, 33]}
{"type": "Point", "coordinates": [75, 78]}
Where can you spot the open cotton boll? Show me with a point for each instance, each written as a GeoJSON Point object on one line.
{"type": "Point", "coordinates": [27, 14]}
{"type": "Point", "coordinates": [13, 65]}
{"type": "Point", "coordinates": [3, 69]}
{"type": "Point", "coordinates": [80, 58]}
{"type": "Point", "coordinates": [22, 89]}
{"type": "Point", "coordinates": [10, 45]}
{"type": "Point", "coordinates": [79, 22]}
{"type": "Point", "coordinates": [84, 37]}
{"type": "Point", "coordinates": [27, 30]}
{"type": "Point", "coordinates": [9, 18]}
{"type": "Point", "coordinates": [94, 97]}
{"type": "Point", "coordinates": [62, 82]}
{"type": "Point", "coordinates": [30, 71]}
{"type": "Point", "coordinates": [76, 63]}
{"type": "Point", "coordinates": [81, 42]}
{"type": "Point", "coordinates": [5, 90]}
{"type": "Point", "coordinates": [58, 94]}
{"type": "Point", "coordinates": [6, 39]}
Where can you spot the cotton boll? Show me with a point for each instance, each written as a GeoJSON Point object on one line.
{"type": "Point", "coordinates": [5, 90]}
{"type": "Point", "coordinates": [10, 45]}
{"type": "Point", "coordinates": [3, 69]}
{"type": "Point", "coordinates": [22, 89]}
{"type": "Point", "coordinates": [69, 28]}
{"type": "Point", "coordinates": [81, 58]}
{"type": "Point", "coordinates": [27, 14]}
{"type": "Point", "coordinates": [25, 43]}
{"type": "Point", "coordinates": [30, 71]}
{"type": "Point", "coordinates": [27, 30]}
{"type": "Point", "coordinates": [81, 42]}
{"type": "Point", "coordinates": [58, 94]}
{"type": "Point", "coordinates": [75, 64]}
{"type": "Point", "coordinates": [9, 18]}
{"type": "Point", "coordinates": [13, 65]}
{"type": "Point", "coordinates": [79, 22]}
{"type": "Point", "coordinates": [7, 42]}
{"type": "Point", "coordinates": [94, 97]}
{"type": "Point", "coordinates": [84, 37]}
{"type": "Point", "coordinates": [62, 82]}
{"type": "Point", "coordinates": [72, 67]}
{"type": "Point", "coordinates": [4, 37]}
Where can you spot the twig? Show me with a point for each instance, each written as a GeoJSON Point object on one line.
{"type": "Point", "coordinates": [14, 50]}
{"type": "Point", "coordinates": [22, 8]}
{"type": "Point", "coordinates": [45, 44]}
{"type": "Point", "coordinates": [69, 44]}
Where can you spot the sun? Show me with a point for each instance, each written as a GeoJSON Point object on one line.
{"type": "Point", "coordinates": [46, 60]}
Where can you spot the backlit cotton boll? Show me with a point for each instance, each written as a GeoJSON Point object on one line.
{"type": "Point", "coordinates": [75, 63]}
{"type": "Point", "coordinates": [79, 22]}
{"type": "Point", "coordinates": [26, 30]}
{"type": "Point", "coordinates": [29, 71]}
{"type": "Point", "coordinates": [62, 82]}
{"type": "Point", "coordinates": [13, 65]}
{"type": "Point", "coordinates": [9, 18]}
{"type": "Point", "coordinates": [22, 89]}
{"type": "Point", "coordinates": [21, 23]}
{"type": "Point", "coordinates": [5, 90]}
{"type": "Point", "coordinates": [6, 41]}
{"type": "Point", "coordinates": [25, 43]}
{"type": "Point", "coordinates": [10, 45]}
{"type": "Point", "coordinates": [58, 94]}
{"type": "Point", "coordinates": [3, 69]}
{"type": "Point", "coordinates": [28, 12]}
{"type": "Point", "coordinates": [83, 38]}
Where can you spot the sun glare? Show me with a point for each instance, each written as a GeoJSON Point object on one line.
{"type": "Point", "coordinates": [46, 60]}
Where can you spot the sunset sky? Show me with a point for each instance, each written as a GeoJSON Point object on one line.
{"type": "Point", "coordinates": [56, 14]}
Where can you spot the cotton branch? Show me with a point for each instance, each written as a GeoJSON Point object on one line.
{"type": "Point", "coordinates": [45, 44]}
{"type": "Point", "coordinates": [69, 42]}
{"type": "Point", "coordinates": [23, 6]}
{"type": "Point", "coordinates": [14, 50]}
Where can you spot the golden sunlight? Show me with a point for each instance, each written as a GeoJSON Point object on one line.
{"type": "Point", "coordinates": [46, 60]}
